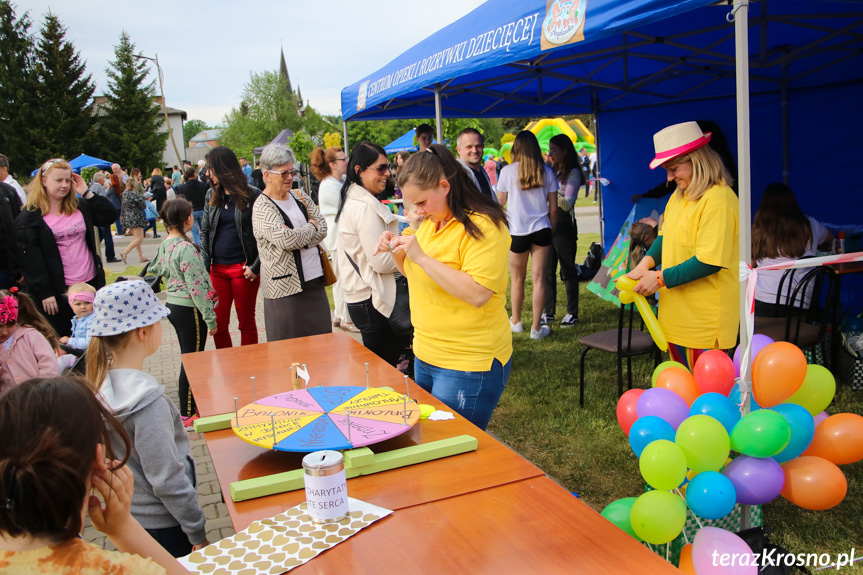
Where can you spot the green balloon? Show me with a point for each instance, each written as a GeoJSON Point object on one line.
{"type": "Point", "coordinates": [662, 464]}
{"type": "Point", "coordinates": [704, 442]}
{"type": "Point", "coordinates": [662, 367]}
{"type": "Point", "coordinates": [658, 516]}
{"type": "Point", "coordinates": [817, 390]}
{"type": "Point", "coordinates": [618, 513]}
{"type": "Point", "coordinates": [762, 433]}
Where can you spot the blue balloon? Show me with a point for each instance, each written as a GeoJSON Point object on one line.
{"type": "Point", "coordinates": [718, 407]}
{"type": "Point", "coordinates": [711, 495]}
{"type": "Point", "coordinates": [802, 430]}
{"type": "Point", "coordinates": [648, 429]}
{"type": "Point", "coordinates": [734, 396]}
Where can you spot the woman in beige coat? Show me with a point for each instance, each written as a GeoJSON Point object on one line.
{"type": "Point", "coordinates": [288, 228]}
{"type": "Point", "coordinates": [368, 279]}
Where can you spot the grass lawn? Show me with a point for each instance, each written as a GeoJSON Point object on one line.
{"type": "Point", "coordinates": [585, 450]}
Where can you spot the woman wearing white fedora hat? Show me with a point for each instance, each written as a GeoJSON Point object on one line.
{"type": "Point", "coordinates": [697, 247]}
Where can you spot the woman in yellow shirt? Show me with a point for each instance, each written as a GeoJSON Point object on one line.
{"type": "Point", "coordinates": [697, 247]}
{"type": "Point", "coordinates": [456, 265]}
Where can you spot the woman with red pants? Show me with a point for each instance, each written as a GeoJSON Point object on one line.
{"type": "Point", "coordinates": [228, 246]}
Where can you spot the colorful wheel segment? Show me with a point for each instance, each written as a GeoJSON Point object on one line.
{"type": "Point", "coordinates": [330, 417]}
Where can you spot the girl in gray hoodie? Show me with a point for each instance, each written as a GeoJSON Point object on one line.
{"type": "Point", "coordinates": [126, 329]}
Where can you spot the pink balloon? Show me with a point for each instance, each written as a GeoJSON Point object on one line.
{"type": "Point", "coordinates": [664, 404]}
{"type": "Point", "coordinates": [820, 417]}
{"type": "Point", "coordinates": [719, 552]}
{"type": "Point", "coordinates": [759, 342]}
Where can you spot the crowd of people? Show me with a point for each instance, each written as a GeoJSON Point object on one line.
{"type": "Point", "coordinates": [430, 286]}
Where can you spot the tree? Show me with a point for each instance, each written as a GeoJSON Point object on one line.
{"type": "Point", "coordinates": [332, 140]}
{"type": "Point", "coordinates": [192, 128]}
{"type": "Point", "coordinates": [302, 145]}
{"type": "Point", "coordinates": [130, 130]}
{"type": "Point", "coordinates": [267, 108]}
{"type": "Point", "coordinates": [63, 124]}
{"type": "Point", "coordinates": [16, 97]}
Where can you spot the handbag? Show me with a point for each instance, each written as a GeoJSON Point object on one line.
{"type": "Point", "coordinates": [400, 318]}
{"type": "Point", "coordinates": [326, 266]}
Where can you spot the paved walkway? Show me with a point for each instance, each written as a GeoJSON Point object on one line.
{"type": "Point", "coordinates": [164, 365]}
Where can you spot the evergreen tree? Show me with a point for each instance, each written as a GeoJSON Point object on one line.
{"type": "Point", "coordinates": [16, 97]}
{"type": "Point", "coordinates": [63, 124]}
{"type": "Point", "coordinates": [130, 131]}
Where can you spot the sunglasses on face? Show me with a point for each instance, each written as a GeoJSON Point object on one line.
{"type": "Point", "coordinates": [382, 169]}
{"type": "Point", "coordinates": [287, 174]}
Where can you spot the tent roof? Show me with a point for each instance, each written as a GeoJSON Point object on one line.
{"type": "Point", "coordinates": [496, 62]}
{"type": "Point", "coordinates": [404, 143]}
{"type": "Point", "coordinates": [282, 137]}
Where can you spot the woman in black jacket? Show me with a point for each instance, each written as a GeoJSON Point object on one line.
{"type": "Point", "coordinates": [56, 243]}
{"type": "Point", "coordinates": [228, 246]}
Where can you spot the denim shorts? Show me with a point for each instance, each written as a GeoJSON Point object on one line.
{"type": "Point", "coordinates": [473, 394]}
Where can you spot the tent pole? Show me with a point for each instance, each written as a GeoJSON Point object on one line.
{"type": "Point", "coordinates": [594, 106]}
{"type": "Point", "coordinates": [345, 127]}
{"type": "Point", "coordinates": [438, 116]}
{"type": "Point", "coordinates": [740, 16]}
{"type": "Point", "coordinates": [785, 125]}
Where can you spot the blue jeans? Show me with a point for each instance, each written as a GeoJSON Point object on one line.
{"type": "Point", "coordinates": [119, 225]}
{"type": "Point", "coordinates": [105, 235]}
{"type": "Point", "coordinates": [196, 231]}
{"type": "Point", "coordinates": [473, 394]}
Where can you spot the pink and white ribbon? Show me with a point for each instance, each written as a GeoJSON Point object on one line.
{"type": "Point", "coordinates": [750, 275]}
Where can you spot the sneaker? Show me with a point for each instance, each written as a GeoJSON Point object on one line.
{"type": "Point", "coordinates": [547, 319]}
{"type": "Point", "coordinates": [189, 421]}
{"type": "Point", "coordinates": [544, 331]}
{"type": "Point", "coordinates": [569, 320]}
{"type": "Point", "coordinates": [516, 327]}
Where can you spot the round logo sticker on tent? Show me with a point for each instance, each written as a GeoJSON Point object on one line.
{"type": "Point", "coordinates": [564, 18]}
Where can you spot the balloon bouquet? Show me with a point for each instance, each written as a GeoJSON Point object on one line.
{"type": "Point", "coordinates": [684, 427]}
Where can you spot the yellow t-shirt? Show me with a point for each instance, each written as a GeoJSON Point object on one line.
{"type": "Point", "coordinates": [451, 333]}
{"type": "Point", "coordinates": [702, 314]}
{"type": "Point", "coordinates": [76, 557]}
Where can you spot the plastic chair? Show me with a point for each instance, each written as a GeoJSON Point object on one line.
{"type": "Point", "coordinates": [797, 321]}
{"type": "Point", "coordinates": [624, 342]}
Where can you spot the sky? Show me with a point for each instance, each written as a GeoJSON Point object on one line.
{"type": "Point", "coordinates": [208, 49]}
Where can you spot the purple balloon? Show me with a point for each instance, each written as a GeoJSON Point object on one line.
{"type": "Point", "coordinates": [664, 404]}
{"type": "Point", "coordinates": [759, 341]}
{"type": "Point", "coordinates": [756, 480]}
{"type": "Point", "coordinates": [820, 417]}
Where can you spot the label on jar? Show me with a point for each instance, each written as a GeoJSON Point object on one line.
{"type": "Point", "coordinates": [327, 497]}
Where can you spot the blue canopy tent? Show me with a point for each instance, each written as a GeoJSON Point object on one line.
{"type": "Point", "coordinates": [641, 65]}
{"type": "Point", "coordinates": [404, 143]}
{"type": "Point", "coordinates": [84, 161]}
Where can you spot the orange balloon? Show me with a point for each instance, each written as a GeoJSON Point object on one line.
{"type": "Point", "coordinates": [838, 439]}
{"type": "Point", "coordinates": [680, 381]}
{"type": "Point", "coordinates": [813, 483]}
{"type": "Point", "coordinates": [685, 563]}
{"type": "Point", "coordinates": [777, 373]}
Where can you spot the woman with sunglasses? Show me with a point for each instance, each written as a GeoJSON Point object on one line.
{"type": "Point", "coordinates": [368, 279]}
{"type": "Point", "coordinates": [56, 243]}
{"type": "Point", "coordinates": [228, 246]}
{"type": "Point", "coordinates": [329, 166]}
{"type": "Point", "coordinates": [289, 227]}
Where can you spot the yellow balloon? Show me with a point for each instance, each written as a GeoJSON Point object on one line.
{"type": "Point", "coordinates": [625, 286]}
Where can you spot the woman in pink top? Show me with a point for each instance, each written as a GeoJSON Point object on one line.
{"type": "Point", "coordinates": [55, 238]}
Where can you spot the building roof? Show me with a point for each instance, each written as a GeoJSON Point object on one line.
{"type": "Point", "coordinates": [207, 135]}
{"type": "Point", "coordinates": [100, 104]}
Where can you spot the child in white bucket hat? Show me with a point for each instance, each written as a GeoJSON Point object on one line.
{"type": "Point", "coordinates": [126, 329]}
{"type": "Point", "coordinates": [697, 247]}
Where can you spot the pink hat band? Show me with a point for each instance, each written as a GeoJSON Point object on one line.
{"type": "Point", "coordinates": [82, 296]}
{"type": "Point", "coordinates": [677, 140]}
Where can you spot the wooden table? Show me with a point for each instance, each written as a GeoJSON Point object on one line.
{"type": "Point", "coordinates": [336, 359]}
{"type": "Point", "coordinates": [488, 511]}
{"type": "Point", "coordinates": [530, 526]}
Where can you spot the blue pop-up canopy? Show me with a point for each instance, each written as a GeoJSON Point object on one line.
{"type": "Point", "coordinates": [84, 161]}
{"type": "Point", "coordinates": [404, 143]}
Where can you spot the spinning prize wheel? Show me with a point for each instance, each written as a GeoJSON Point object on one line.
{"type": "Point", "coordinates": [317, 418]}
